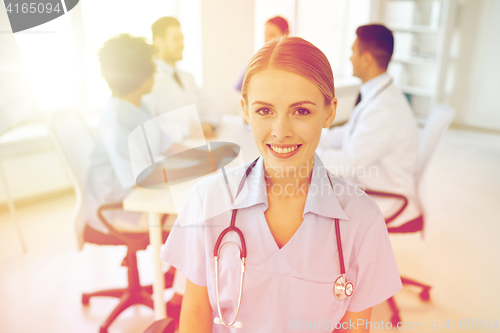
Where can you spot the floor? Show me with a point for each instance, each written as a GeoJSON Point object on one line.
{"type": "Point", "coordinates": [40, 291]}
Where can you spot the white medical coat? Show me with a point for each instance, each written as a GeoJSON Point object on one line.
{"type": "Point", "coordinates": [377, 148]}
{"type": "Point", "coordinates": [167, 95]}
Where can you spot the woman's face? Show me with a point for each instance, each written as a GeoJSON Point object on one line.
{"type": "Point", "coordinates": [286, 113]}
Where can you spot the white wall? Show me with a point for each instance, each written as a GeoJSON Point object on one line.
{"type": "Point", "coordinates": [473, 81]}
{"type": "Point", "coordinates": [483, 108]}
{"type": "Point", "coordinates": [228, 39]}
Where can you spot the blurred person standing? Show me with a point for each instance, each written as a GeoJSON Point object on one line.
{"type": "Point", "coordinates": [377, 147]}
{"type": "Point", "coordinates": [174, 88]}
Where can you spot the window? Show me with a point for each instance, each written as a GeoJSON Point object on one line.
{"type": "Point", "coordinates": [135, 18]}
{"type": "Point", "coordinates": [49, 60]}
{"type": "Point", "coordinates": [61, 55]}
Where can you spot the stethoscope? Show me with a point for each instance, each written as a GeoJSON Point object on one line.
{"type": "Point", "coordinates": [341, 289]}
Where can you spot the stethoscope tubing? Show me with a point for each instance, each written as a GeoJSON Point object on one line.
{"type": "Point", "coordinates": [232, 226]}
{"type": "Point", "coordinates": [342, 287]}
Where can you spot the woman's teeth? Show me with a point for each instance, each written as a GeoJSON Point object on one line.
{"type": "Point", "coordinates": [283, 150]}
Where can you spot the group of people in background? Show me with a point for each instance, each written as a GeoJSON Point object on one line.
{"type": "Point", "coordinates": [146, 82]}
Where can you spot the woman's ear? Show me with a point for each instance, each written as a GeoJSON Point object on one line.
{"type": "Point", "coordinates": [331, 111]}
{"type": "Point", "coordinates": [245, 111]}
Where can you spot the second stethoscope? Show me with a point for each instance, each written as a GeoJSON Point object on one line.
{"type": "Point", "coordinates": [341, 289]}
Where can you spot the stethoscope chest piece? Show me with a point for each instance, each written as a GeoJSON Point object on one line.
{"type": "Point", "coordinates": [343, 288]}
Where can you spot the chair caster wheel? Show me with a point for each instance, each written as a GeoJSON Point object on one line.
{"type": "Point", "coordinates": [424, 295]}
{"type": "Point", "coordinates": [103, 330]}
{"type": "Point", "coordinates": [85, 299]}
{"type": "Point", "coordinates": [395, 320]}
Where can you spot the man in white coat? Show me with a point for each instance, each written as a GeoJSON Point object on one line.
{"type": "Point", "coordinates": [174, 88]}
{"type": "Point", "coordinates": [377, 148]}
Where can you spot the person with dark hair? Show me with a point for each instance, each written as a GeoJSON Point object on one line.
{"type": "Point", "coordinates": [280, 255]}
{"type": "Point", "coordinates": [175, 88]}
{"type": "Point", "coordinates": [275, 27]}
{"type": "Point", "coordinates": [128, 67]}
{"type": "Point", "coordinates": [377, 147]}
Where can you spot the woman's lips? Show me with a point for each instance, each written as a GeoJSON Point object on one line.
{"type": "Point", "coordinates": [283, 151]}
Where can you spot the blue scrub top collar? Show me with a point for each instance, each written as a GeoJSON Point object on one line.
{"type": "Point", "coordinates": [321, 198]}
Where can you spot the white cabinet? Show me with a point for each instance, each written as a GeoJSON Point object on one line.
{"type": "Point", "coordinates": [422, 30]}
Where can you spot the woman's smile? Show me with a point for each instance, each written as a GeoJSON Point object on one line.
{"type": "Point", "coordinates": [283, 151]}
{"type": "Point", "coordinates": [286, 113]}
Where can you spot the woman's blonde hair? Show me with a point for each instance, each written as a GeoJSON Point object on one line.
{"type": "Point", "coordinates": [294, 55]}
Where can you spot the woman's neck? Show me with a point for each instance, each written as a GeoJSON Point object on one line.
{"type": "Point", "coordinates": [288, 181]}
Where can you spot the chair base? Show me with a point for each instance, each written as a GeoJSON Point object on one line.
{"type": "Point", "coordinates": [424, 296]}
{"type": "Point", "coordinates": [127, 299]}
{"type": "Point", "coordinates": [134, 293]}
{"type": "Point", "coordinates": [166, 325]}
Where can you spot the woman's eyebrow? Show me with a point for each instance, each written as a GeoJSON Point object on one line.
{"type": "Point", "coordinates": [300, 103]}
{"type": "Point", "coordinates": [291, 105]}
{"type": "Point", "coordinates": [262, 103]}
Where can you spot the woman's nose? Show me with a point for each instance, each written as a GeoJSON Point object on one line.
{"type": "Point", "coordinates": [282, 128]}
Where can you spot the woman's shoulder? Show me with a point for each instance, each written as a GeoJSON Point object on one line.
{"type": "Point", "coordinates": [215, 193]}
{"type": "Point", "coordinates": [217, 183]}
{"type": "Point", "coordinates": [358, 206]}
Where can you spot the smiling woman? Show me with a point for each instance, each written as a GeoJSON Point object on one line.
{"type": "Point", "coordinates": [313, 249]}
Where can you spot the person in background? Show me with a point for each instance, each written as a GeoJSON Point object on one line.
{"type": "Point", "coordinates": [174, 88]}
{"type": "Point", "coordinates": [128, 67]}
{"type": "Point", "coordinates": [275, 27]}
{"type": "Point", "coordinates": [377, 147]}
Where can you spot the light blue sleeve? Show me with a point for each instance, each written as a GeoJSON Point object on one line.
{"type": "Point", "coordinates": [115, 139]}
{"type": "Point", "coordinates": [115, 131]}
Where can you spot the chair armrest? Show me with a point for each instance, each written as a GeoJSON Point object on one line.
{"type": "Point", "coordinates": [394, 196]}
{"type": "Point", "coordinates": [111, 229]}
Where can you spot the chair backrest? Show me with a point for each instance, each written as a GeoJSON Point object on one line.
{"type": "Point", "coordinates": [75, 143]}
{"type": "Point", "coordinates": [437, 123]}
{"type": "Point", "coordinates": [439, 120]}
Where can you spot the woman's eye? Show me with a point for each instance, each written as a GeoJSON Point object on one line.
{"type": "Point", "coordinates": [302, 112]}
{"type": "Point", "coordinates": [264, 111]}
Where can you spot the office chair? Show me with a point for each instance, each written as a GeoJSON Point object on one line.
{"type": "Point", "coordinates": [75, 143]}
{"type": "Point", "coordinates": [166, 325]}
{"type": "Point", "coordinates": [438, 121]}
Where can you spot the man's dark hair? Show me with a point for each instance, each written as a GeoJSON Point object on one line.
{"type": "Point", "coordinates": [126, 62]}
{"type": "Point", "coordinates": [159, 28]}
{"type": "Point", "coordinates": [378, 40]}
